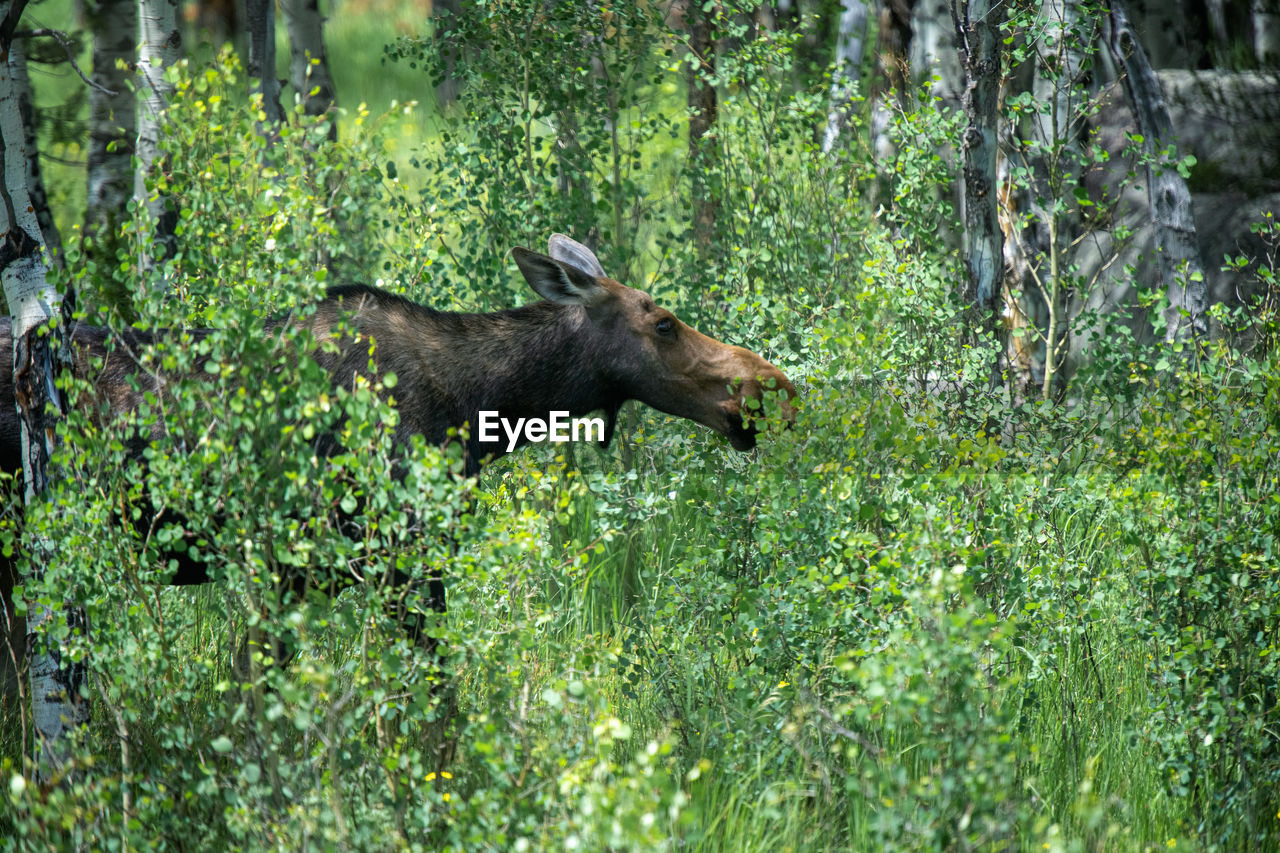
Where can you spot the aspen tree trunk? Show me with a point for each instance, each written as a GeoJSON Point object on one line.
{"type": "Point", "coordinates": [1266, 32]}
{"type": "Point", "coordinates": [444, 15]}
{"type": "Point", "coordinates": [1056, 83]}
{"type": "Point", "coordinates": [35, 183]}
{"type": "Point", "coordinates": [892, 81]}
{"type": "Point", "coordinates": [112, 124]}
{"type": "Point", "coordinates": [219, 21]}
{"type": "Point", "coordinates": [844, 76]}
{"type": "Point", "coordinates": [1052, 180]}
{"type": "Point", "coordinates": [55, 683]}
{"type": "Point", "coordinates": [977, 24]}
{"type": "Point", "coordinates": [893, 43]}
{"type": "Point", "coordinates": [308, 61]}
{"type": "Point", "coordinates": [261, 20]}
{"type": "Point", "coordinates": [309, 73]}
{"type": "Point", "coordinates": [703, 110]}
{"type": "Point", "coordinates": [933, 46]}
{"type": "Point", "coordinates": [1039, 217]}
{"type": "Point", "coordinates": [575, 183]}
{"type": "Point", "coordinates": [1217, 14]}
{"type": "Point", "coordinates": [159, 46]}
{"type": "Point", "coordinates": [1178, 254]}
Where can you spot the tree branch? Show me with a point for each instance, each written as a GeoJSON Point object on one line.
{"type": "Point", "coordinates": [1178, 252]}
{"type": "Point", "coordinates": [67, 45]}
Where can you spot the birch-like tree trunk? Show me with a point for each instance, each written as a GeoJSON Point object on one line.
{"type": "Point", "coordinates": [309, 73]}
{"type": "Point", "coordinates": [55, 687]}
{"type": "Point", "coordinates": [261, 19]}
{"type": "Point", "coordinates": [1266, 32]}
{"type": "Point", "coordinates": [444, 16]}
{"type": "Point", "coordinates": [159, 46]}
{"type": "Point", "coordinates": [35, 182]}
{"type": "Point", "coordinates": [112, 124]}
{"type": "Point", "coordinates": [308, 61]}
{"type": "Point", "coordinates": [893, 44]}
{"type": "Point", "coordinates": [703, 110]}
{"type": "Point", "coordinates": [1216, 10]}
{"type": "Point", "coordinates": [933, 47]}
{"type": "Point", "coordinates": [977, 25]}
{"type": "Point", "coordinates": [892, 81]}
{"type": "Point", "coordinates": [848, 62]}
{"type": "Point", "coordinates": [1178, 254]}
{"type": "Point", "coordinates": [1039, 216]}
{"type": "Point", "coordinates": [575, 180]}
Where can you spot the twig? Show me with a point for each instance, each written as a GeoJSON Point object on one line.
{"type": "Point", "coordinates": [67, 45]}
{"type": "Point", "coordinates": [122, 733]}
{"type": "Point", "coordinates": [838, 729]}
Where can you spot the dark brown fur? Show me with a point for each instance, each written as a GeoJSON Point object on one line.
{"type": "Point", "coordinates": [589, 346]}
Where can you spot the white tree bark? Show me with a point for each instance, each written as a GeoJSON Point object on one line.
{"type": "Point", "coordinates": [933, 48]}
{"type": "Point", "coordinates": [977, 25]}
{"type": "Point", "coordinates": [1217, 13]}
{"type": "Point", "coordinates": [23, 264]}
{"type": "Point", "coordinates": [112, 122]}
{"type": "Point", "coordinates": [1057, 72]}
{"type": "Point", "coordinates": [893, 82]}
{"type": "Point", "coordinates": [844, 76]}
{"type": "Point", "coordinates": [308, 61]}
{"type": "Point", "coordinates": [704, 109]}
{"type": "Point", "coordinates": [1039, 219]}
{"type": "Point", "coordinates": [1175, 231]}
{"type": "Point", "coordinates": [159, 47]}
{"type": "Point", "coordinates": [1266, 32]}
{"type": "Point", "coordinates": [35, 183]}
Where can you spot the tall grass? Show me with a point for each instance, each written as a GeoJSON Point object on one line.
{"type": "Point", "coordinates": [884, 629]}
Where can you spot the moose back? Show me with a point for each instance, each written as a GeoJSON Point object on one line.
{"type": "Point", "coordinates": [589, 345]}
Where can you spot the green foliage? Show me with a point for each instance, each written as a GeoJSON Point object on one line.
{"type": "Point", "coordinates": [558, 128]}
{"type": "Point", "coordinates": [929, 616]}
{"type": "Point", "coordinates": [181, 736]}
{"type": "Point", "coordinates": [1204, 519]}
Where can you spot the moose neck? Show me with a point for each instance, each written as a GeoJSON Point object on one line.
{"type": "Point", "coordinates": [520, 364]}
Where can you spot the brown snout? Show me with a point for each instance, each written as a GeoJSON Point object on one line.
{"type": "Point", "coordinates": [743, 418]}
{"type": "Point", "coordinates": [719, 386]}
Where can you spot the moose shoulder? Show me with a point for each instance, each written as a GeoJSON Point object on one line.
{"type": "Point", "coordinates": [589, 345]}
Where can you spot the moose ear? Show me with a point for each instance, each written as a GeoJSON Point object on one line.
{"type": "Point", "coordinates": [558, 282]}
{"type": "Point", "coordinates": [572, 253]}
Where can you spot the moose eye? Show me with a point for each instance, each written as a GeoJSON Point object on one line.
{"type": "Point", "coordinates": [665, 326]}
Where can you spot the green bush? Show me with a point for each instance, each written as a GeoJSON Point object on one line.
{"type": "Point", "coordinates": [1202, 511]}
{"type": "Point", "coordinates": [928, 616]}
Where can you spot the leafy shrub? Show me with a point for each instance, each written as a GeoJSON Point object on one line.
{"type": "Point", "coordinates": [929, 616]}
{"type": "Point", "coordinates": [1202, 511]}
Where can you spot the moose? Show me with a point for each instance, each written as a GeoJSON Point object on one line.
{"type": "Point", "coordinates": [590, 344]}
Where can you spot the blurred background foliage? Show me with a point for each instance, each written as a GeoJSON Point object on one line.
{"type": "Point", "coordinates": [932, 615]}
